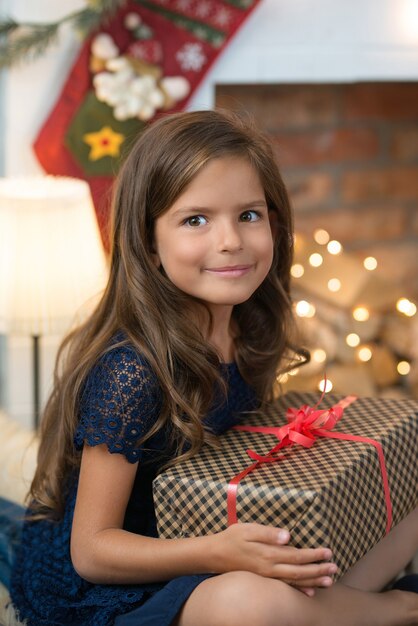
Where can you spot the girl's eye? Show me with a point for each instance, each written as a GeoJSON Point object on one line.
{"type": "Point", "coordinates": [196, 220]}
{"type": "Point", "coordinates": [250, 216]}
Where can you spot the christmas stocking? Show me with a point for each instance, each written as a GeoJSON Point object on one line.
{"type": "Point", "coordinates": [147, 60]}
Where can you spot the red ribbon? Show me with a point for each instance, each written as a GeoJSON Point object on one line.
{"type": "Point", "coordinates": [304, 425]}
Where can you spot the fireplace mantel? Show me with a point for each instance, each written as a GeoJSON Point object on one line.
{"type": "Point", "coordinates": [323, 41]}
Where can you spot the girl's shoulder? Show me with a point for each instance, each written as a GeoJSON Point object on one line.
{"type": "Point", "coordinates": [122, 363]}
{"type": "Point", "coordinates": [120, 401]}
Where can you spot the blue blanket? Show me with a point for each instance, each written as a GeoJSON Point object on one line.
{"type": "Point", "coordinates": [11, 520]}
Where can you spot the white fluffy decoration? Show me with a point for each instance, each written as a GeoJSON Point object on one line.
{"type": "Point", "coordinates": [18, 450]}
{"type": "Point", "coordinates": [7, 614]}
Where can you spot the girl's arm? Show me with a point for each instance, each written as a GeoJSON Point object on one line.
{"type": "Point", "coordinates": [102, 552]}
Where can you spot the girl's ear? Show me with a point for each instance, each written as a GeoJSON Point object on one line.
{"type": "Point", "coordinates": [274, 222]}
{"type": "Point", "coordinates": [155, 258]}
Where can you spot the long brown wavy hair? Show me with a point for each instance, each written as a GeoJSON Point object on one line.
{"type": "Point", "coordinates": [153, 313]}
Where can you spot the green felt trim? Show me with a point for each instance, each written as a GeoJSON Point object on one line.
{"type": "Point", "coordinates": [201, 30]}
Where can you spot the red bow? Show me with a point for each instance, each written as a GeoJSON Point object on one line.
{"type": "Point", "coordinates": [304, 425]}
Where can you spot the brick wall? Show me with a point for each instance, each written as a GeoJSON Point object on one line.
{"type": "Point", "coordinates": [349, 156]}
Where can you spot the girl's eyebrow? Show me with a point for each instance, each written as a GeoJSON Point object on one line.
{"type": "Point", "coordinates": [196, 208]}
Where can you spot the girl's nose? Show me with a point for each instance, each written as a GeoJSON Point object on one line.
{"type": "Point", "coordinates": [229, 238]}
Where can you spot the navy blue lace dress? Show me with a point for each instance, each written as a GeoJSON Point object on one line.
{"type": "Point", "coordinates": [120, 403]}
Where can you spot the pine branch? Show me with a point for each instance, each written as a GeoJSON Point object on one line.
{"type": "Point", "coordinates": [7, 26]}
{"type": "Point", "coordinates": [84, 22]}
{"type": "Point", "coordinates": [29, 45]}
{"type": "Point", "coordinates": [105, 6]}
{"type": "Point", "coordinates": [98, 12]}
{"type": "Point", "coordinates": [29, 41]}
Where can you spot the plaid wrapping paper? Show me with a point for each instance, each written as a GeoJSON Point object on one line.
{"type": "Point", "coordinates": [329, 495]}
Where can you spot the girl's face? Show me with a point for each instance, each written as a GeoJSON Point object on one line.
{"type": "Point", "coordinates": [215, 242]}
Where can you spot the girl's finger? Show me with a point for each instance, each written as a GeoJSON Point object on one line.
{"type": "Point", "coordinates": [270, 535]}
{"type": "Point", "coordinates": [267, 534]}
{"type": "Point", "coordinates": [308, 591]}
{"type": "Point", "coordinates": [309, 583]}
{"type": "Point", "coordinates": [303, 556]}
{"type": "Point", "coordinates": [302, 573]}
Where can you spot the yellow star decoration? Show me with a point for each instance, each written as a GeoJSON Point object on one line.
{"type": "Point", "coordinates": [104, 142]}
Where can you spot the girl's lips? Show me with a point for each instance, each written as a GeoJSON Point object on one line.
{"type": "Point", "coordinates": [233, 271]}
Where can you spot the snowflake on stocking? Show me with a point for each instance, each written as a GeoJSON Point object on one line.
{"type": "Point", "coordinates": [223, 17]}
{"type": "Point", "coordinates": [203, 9]}
{"type": "Point", "coordinates": [191, 57]}
{"type": "Point", "coordinates": [184, 5]}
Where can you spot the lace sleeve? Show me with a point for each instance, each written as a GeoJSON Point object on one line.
{"type": "Point", "coordinates": [120, 402]}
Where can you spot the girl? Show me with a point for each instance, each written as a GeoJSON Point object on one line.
{"type": "Point", "coordinates": [192, 330]}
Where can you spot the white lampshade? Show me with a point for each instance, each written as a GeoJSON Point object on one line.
{"type": "Point", "coordinates": [52, 261]}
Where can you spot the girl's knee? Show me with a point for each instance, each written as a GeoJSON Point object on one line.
{"type": "Point", "coordinates": [246, 599]}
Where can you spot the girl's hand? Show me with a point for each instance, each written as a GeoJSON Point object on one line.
{"type": "Point", "coordinates": [263, 550]}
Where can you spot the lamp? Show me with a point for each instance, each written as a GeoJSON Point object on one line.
{"type": "Point", "coordinates": [52, 260]}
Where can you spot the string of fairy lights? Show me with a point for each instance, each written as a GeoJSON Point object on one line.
{"type": "Point", "coordinates": [306, 308]}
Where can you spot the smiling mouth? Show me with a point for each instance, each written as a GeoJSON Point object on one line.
{"type": "Point", "coordinates": [233, 271]}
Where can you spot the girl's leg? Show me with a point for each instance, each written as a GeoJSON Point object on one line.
{"type": "Point", "coordinates": [246, 599]}
{"type": "Point", "coordinates": [389, 557]}
{"type": "Point", "coordinates": [243, 598]}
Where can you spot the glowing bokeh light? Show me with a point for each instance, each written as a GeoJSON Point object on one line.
{"type": "Point", "coordinates": [316, 259]}
{"type": "Point", "coordinates": [334, 247]}
{"type": "Point", "coordinates": [403, 368]}
{"type": "Point", "coordinates": [406, 307]}
{"type": "Point", "coordinates": [364, 354]}
{"type": "Point", "coordinates": [321, 236]}
{"type": "Point", "coordinates": [305, 309]}
{"type": "Point", "coordinates": [352, 340]}
{"type": "Point", "coordinates": [361, 314]}
{"type": "Point", "coordinates": [319, 355]}
{"type": "Point", "coordinates": [370, 263]}
{"type": "Point", "coordinates": [334, 284]}
{"type": "Point", "coordinates": [321, 385]}
{"type": "Point", "coordinates": [297, 270]}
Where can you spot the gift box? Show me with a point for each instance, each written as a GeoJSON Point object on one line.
{"type": "Point", "coordinates": [340, 493]}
